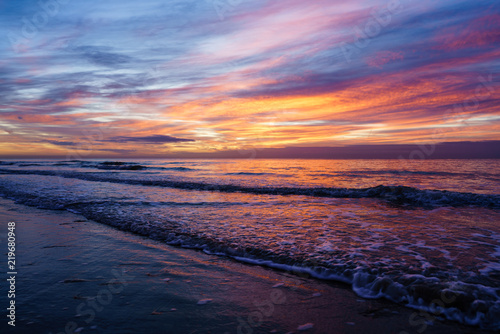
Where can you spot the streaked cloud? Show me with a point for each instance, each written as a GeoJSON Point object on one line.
{"type": "Point", "coordinates": [156, 139]}
{"type": "Point", "coordinates": [266, 74]}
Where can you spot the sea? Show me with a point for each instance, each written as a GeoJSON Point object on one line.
{"type": "Point", "coordinates": [422, 233]}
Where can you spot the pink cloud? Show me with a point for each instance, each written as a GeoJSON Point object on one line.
{"type": "Point", "coordinates": [383, 57]}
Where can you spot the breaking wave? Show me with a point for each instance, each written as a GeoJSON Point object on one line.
{"type": "Point", "coordinates": [399, 195]}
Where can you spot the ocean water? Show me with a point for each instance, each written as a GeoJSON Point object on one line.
{"type": "Point", "coordinates": [424, 234]}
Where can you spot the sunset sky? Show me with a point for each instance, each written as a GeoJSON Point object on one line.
{"type": "Point", "coordinates": [144, 78]}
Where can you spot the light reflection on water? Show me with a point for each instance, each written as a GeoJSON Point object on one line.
{"type": "Point", "coordinates": [358, 239]}
{"type": "Point", "coordinates": [477, 176]}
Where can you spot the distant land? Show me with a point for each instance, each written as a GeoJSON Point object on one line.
{"type": "Point", "coordinates": [447, 150]}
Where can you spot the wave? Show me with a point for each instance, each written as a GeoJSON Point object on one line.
{"type": "Point", "coordinates": [112, 165]}
{"type": "Point", "coordinates": [116, 165]}
{"type": "Point", "coordinates": [176, 168]}
{"type": "Point", "coordinates": [136, 167]}
{"type": "Point", "coordinates": [363, 173]}
{"type": "Point", "coordinates": [398, 195]}
{"type": "Point", "coordinates": [475, 303]}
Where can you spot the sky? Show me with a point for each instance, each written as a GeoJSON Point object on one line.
{"type": "Point", "coordinates": [161, 78]}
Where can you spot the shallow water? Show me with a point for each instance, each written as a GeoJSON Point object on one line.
{"type": "Point", "coordinates": [109, 281]}
{"type": "Point", "coordinates": [424, 234]}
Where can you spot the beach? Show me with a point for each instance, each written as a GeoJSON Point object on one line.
{"type": "Point", "coordinates": [230, 166]}
{"type": "Point", "coordinates": [76, 275]}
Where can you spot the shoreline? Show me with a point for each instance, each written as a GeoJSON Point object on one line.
{"type": "Point", "coordinates": [76, 275]}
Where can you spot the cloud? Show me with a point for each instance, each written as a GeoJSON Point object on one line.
{"type": "Point", "coordinates": [61, 143]}
{"type": "Point", "coordinates": [98, 56]}
{"type": "Point", "coordinates": [268, 74]}
{"type": "Point", "coordinates": [153, 139]}
{"type": "Point", "coordinates": [115, 150]}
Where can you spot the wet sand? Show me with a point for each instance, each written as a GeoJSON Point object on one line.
{"type": "Point", "coordinates": [78, 276]}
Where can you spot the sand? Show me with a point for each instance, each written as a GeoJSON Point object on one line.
{"type": "Point", "coordinates": [78, 276]}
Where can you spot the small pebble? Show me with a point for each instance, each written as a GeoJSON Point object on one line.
{"type": "Point", "coordinates": [278, 285]}
{"type": "Point", "coordinates": [204, 301]}
{"type": "Point", "coordinates": [305, 327]}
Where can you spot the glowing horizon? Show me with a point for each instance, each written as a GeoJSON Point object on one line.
{"type": "Point", "coordinates": [121, 78]}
